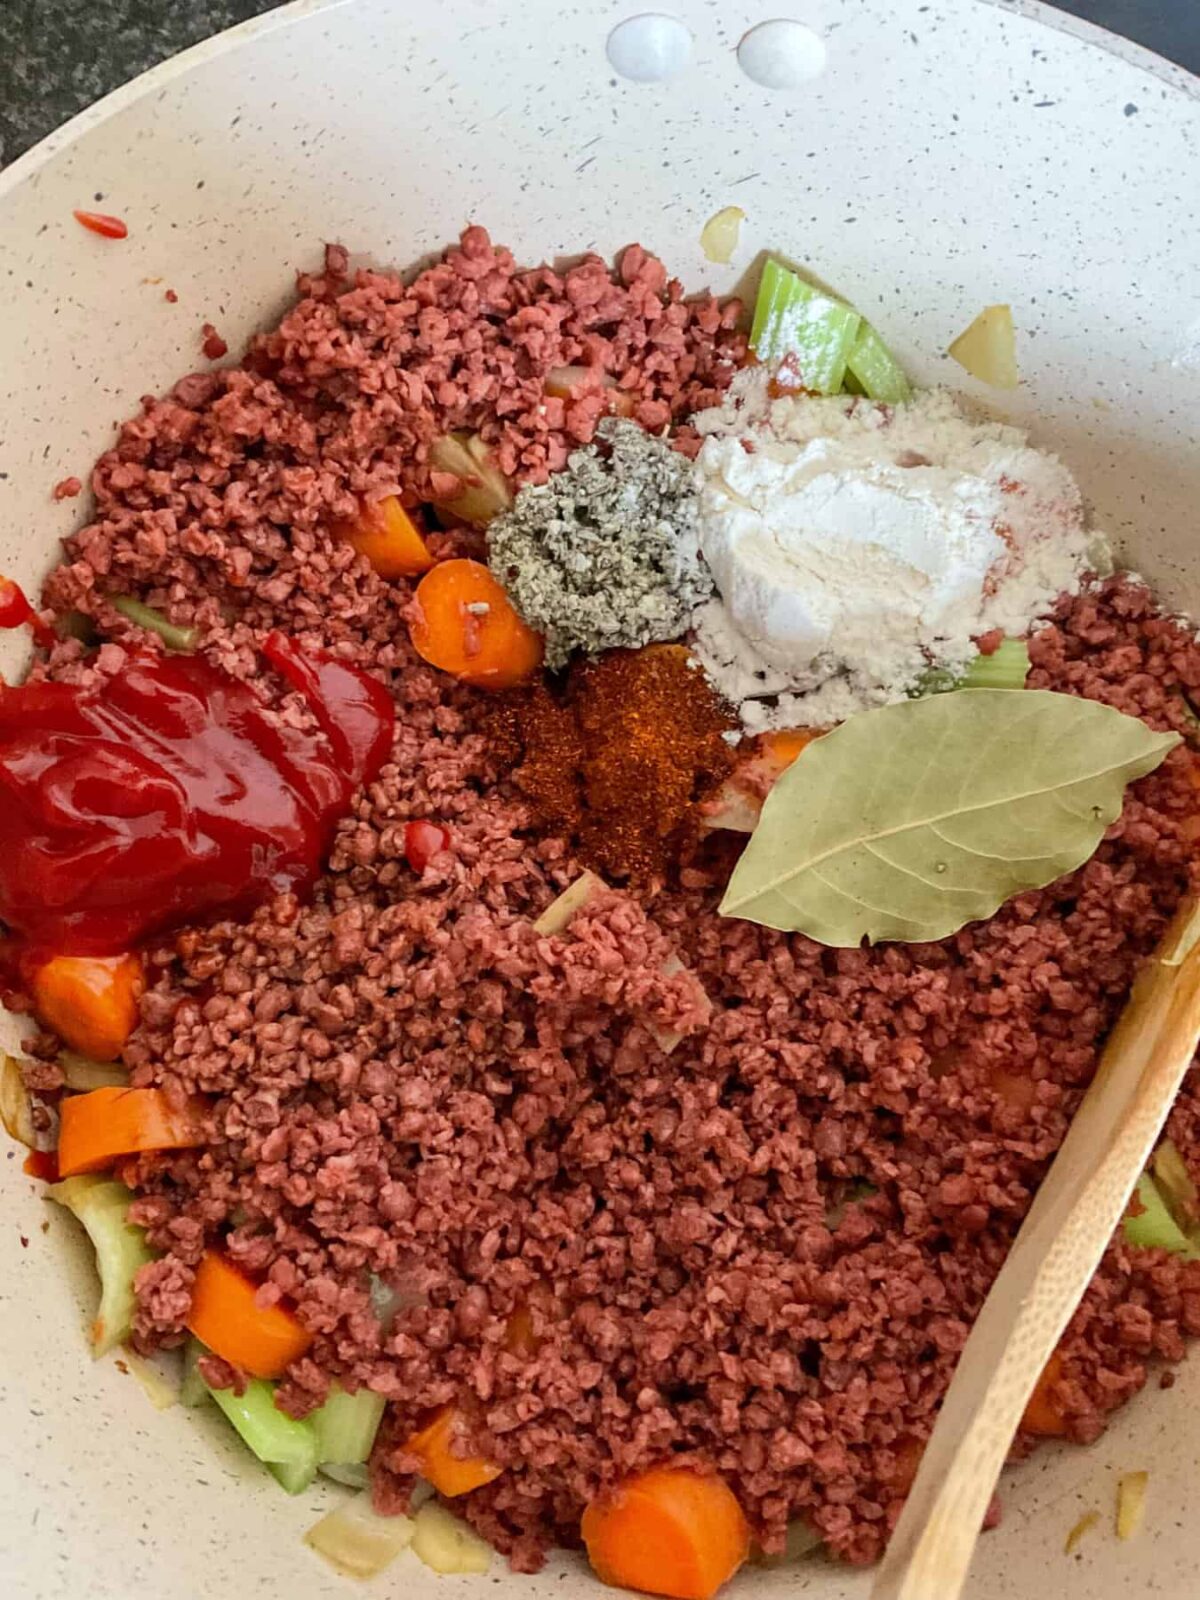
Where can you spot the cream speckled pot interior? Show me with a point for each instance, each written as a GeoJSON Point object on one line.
{"type": "Point", "coordinates": [936, 157]}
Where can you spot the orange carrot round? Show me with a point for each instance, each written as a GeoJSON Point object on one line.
{"type": "Point", "coordinates": [464, 623]}
{"type": "Point", "coordinates": [439, 1444]}
{"type": "Point", "coordinates": [91, 1002]}
{"type": "Point", "coordinates": [96, 1129]}
{"type": "Point", "coordinates": [1044, 1415]}
{"type": "Point", "coordinates": [669, 1531]}
{"type": "Point", "coordinates": [225, 1316]}
{"type": "Point", "coordinates": [389, 538]}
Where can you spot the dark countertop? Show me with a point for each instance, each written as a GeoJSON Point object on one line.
{"type": "Point", "coordinates": [57, 56]}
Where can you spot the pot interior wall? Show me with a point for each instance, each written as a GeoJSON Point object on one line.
{"type": "Point", "coordinates": [944, 157]}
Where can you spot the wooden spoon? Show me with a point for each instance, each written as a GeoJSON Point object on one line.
{"type": "Point", "coordinates": [1051, 1263]}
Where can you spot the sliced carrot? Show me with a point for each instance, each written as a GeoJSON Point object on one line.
{"type": "Point", "coordinates": [1044, 1415]}
{"type": "Point", "coordinates": [91, 1002]}
{"type": "Point", "coordinates": [96, 1129]}
{"type": "Point", "coordinates": [669, 1531]}
{"type": "Point", "coordinates": [226, 1316]}
{"type": "Point", "coordinates": [438, 1446]}
{"type": "Point", "coordinates": [464, 623]}
{"type": "Point", "coordinates": [389, 538]}
{"type": "Point", "coordinates": [782, 748]}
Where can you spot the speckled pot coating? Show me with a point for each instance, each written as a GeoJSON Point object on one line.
{"type": "Point", "coordinates": [950, 154]}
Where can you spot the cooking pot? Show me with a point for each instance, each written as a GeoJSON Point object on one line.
{"type": "Point", "coordinates": [925, 159]}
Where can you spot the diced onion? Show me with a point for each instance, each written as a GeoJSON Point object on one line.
{"type": "Point", "coordinates": [988, 348]}
{"type": "Point", "coordinates": [1131, 1503]}
{"type": "Point", "coordinates": [83, 1074]}
{"type": "Point", "coordinates": [559, 912]}
{"type": "Point", "coordinates": [1175, 1182]}
{"type": "Point", "coordinates": [483, 491]}
{"type": "Point", "coordinates": [447, 1545]}
{"type": "Point", "coordinates": [719, 236]}
{"type": "Point", "coordinates": [16, 1109]}
{"type": "Point", "coordinates": [800, 1541]}
{"type": "Point", "coordinates": [159, 1391]}
{"type": "Point", "coordinates": [354, 1474]}
{"type": "Point", "coordinates": [1077, 1534]}
{"type": "Point", "coordinates": [357, 1540]}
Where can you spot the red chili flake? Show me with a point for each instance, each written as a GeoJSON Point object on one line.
{"type": "Point", "coordinates": [422, 841]}
{"type": "Point", "coordinates": [97, 222]}
{"type": "Point", "coordinates": [67, 489]}
{"type": "Point", "coordinates": [171, 296]}
{"type": "Point", "coordinates": [214, 346]}
{"type": "Point", "coordinates": [24, 1241]}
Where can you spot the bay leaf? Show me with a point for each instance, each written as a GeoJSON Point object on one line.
{"type": "Point", "coordinates": [910, 821]}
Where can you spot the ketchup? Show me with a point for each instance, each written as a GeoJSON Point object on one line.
{"type": "Point", "coordinates": [170, 793]}
{"type": "Point", "coordinates": [15, 612]}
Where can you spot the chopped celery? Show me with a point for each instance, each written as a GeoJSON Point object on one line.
{"type": "Point", "coordinates": [792, 319]}
{"type": "Point", "coordinates": [876, 369]}
{"type": "Point", "coordinates": [294, 1477]}
{"type": "Point", "coordinates": [1154, 1228]}
{"type": "Point", "coordinates": [276, 1439]}
{"type": "Point", "coordinates": [346, 1425]}
{"type": "Point", "coordinates": [101, 1204]}
{"type": "Point", "coordinates": [172, 635]}
{"type": "Point", "coordinates": [1006, 668]}
{"type": "Point", "coordinates": [193, 1391]}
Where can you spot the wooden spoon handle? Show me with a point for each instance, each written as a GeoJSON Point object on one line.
{"type": "Point", "coordinates": [1047, 1272]}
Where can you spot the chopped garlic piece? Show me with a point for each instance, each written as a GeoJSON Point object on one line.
{"type": "Point", "coordinates": [719, 236]}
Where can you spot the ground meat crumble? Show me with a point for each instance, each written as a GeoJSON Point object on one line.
{"type": "Point", "coordinates": [761, 1252]}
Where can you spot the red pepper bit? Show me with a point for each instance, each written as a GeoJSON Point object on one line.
{"type": "Point", "coordinates": [422, 841]}
{"type": "Point", "coordinates": [41, 1164]}
{"type": "Point", "coordinates": [16, 612]}
{"type": "Point", "coordinates": [97, 222]}
{"type": "Point", "coordinates": [214, 346]}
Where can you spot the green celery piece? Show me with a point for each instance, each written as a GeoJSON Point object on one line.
{"type": "Point", "coordinates": [183, 640]}
{"type": "Point", "coordinates": [1154, 1228]}
{"type": "Point", "coordinates": [791, 318]}
{"type": "Point", "coordinates": [294, 1478]}
{"type": "Point", "coordinates": [346, 1425]}
{"type": "Point", "coordinates": [876, 368]}
{"type": "Point", "coordinates": [274, 1438]}
{"type": "Point", "coordinates": [193, 1391]}
{"type": "Point", "coordinates": [1006, 668]}
{"type": "Point", "coordinates": [101, 1204]}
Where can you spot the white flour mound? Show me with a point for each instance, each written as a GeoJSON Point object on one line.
{"type": "Point", "coordinates": [855, 546]}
